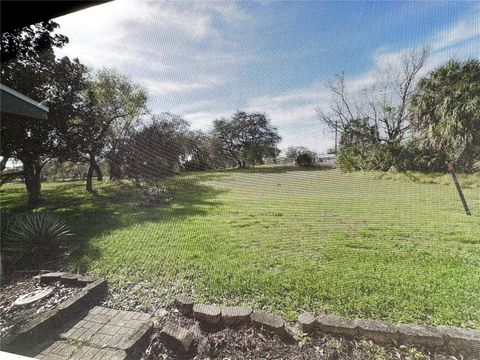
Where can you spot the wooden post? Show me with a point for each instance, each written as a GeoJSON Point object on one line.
{"type": "Point", "coordinates": [459, 189]}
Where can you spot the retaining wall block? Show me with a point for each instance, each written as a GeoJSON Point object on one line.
{"type": "Point", "coordinates": [337, 325]}
{"type": "Point", "coordinates": [379, 331]}
{"type": "Point", "coordinates": [209, 313]}
{"type": "Point", "coordinates": [184, 304]}
{"type": "Point", "coordinates": [464, 341]}
{"type": "Point", "coordinates": [236, 315]}
{"type": "Point", "coordinates": [268, 321]}
{"type": "Point", "coordinates": [420, 335]}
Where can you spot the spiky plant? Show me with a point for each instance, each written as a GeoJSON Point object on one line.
{"type": "Point", "coordinates": [35, 236]}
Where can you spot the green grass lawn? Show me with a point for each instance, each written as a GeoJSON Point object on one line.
{"type": "Point", "coordinates": [386, 246]}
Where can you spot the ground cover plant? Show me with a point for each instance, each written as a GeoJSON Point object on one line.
{"type": "Point", "coordinates": [389, 246]}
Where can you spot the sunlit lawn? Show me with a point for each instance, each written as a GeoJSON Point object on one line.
{"type": "Point", "coordinates": [384, 246]}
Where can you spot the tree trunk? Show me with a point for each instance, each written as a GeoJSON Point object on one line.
{"type": "Point", "coordinates": [114, 165]}
{"type": "Point", "coordinates": [89, 185]}
{"type": "Point", "coordinates": [114, 169]}
{"type": "Point", "coordinates": [32, 171]}
{"type": "Point", "coordinates": [93, 166]}
{"type": "Point", "coordinates": [96, 167]}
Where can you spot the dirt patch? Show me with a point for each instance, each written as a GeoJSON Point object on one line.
{"type": "Point", "coordinates": [246, 342]}
{"type": "Point", "coordinates": [13, 317]}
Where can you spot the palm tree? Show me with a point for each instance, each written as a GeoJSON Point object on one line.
{"type": "Point", "coordinates": [446, 112]}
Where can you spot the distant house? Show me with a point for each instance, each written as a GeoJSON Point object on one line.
{"type": "Point", "coordinates": [327, 158]}
{"type": "Point", "coordinates": [15, 106]}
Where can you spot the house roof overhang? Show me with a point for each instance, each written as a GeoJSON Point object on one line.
{"type": "Point", "coordinates": [14, 103]}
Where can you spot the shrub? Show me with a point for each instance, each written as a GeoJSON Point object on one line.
{"type": "Point", "coordinates": [33, 238]}
{"type": "Point", "coordinates": [306, 160]}
{"type": "Point", "coordinates": [354, 158]}
{"type": "Point", "coordinates": [383, 157]}
{"type": "Point", "coordinates": [417, 158]}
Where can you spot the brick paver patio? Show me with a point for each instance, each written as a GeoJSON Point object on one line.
{"type": "Point", "coordinates": [104, 334]}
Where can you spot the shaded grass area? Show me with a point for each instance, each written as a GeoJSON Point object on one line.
{"type": "Point", "coordinates": [396, 247]}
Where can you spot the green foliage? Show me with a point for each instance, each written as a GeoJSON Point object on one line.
{"type": "Point", "coordinates": [402, 157]}
{"type": "Point", "coordinates": [414, 157]}
{"type": "Point", "coordinates": [293, 151]}
{"type": "Point", "coordinates": [30, 41]}
{"type": "Point", "coordinates": [305, 160]}
{"type": "Point", "coordinates": [34, 70]}
{"type": "Point", "coordinates": [157, 150]}
{"type": "Point", "coordinates": [32, 237]}
{"type": "Point", "coordinates": [446, 112]}
{"type": "Point", "coordinates": [247, 138]}
{"type": "Point", "coordinates": [354, 158]}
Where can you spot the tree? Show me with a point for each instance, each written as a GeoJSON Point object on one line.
{"type": "Point", "coordinates": [204, 152]}
{"type": "Point", "coordinates": [446, 112]}
{"type": "Point", "coordinates": [359, 133]}
{"type": "Point", "coordinates": [293, 151]}
{"type": "Point", "coordinates": [158, 149]}
{"type": "Point", "coordinates": [305, 159]}
{"type": "Point", "coordinates": [37, 73]}
{"type": "Point", "coordinates": [31, 40]}
{"type": "Point", "coordinates": [383, 106]}
{"type": "Point", "coordinates": [111, 108]}
{"type": "Point", "coordinates": [247, 138]}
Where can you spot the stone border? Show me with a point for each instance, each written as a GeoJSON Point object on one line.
{"type": "Point", "coordinates": [53, 321]}
{"type": "Point", "coordinates": [451, 339]}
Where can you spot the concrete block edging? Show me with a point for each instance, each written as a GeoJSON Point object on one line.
{"type": "Point", "coordinates": [451, 339]}
{"type": "Point", "coordinates": [37, 330]}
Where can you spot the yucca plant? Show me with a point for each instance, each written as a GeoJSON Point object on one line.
{"type": "Point", "coordinates": [35, 236]}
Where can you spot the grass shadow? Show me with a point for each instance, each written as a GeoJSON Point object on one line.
{"type": "Point", "coordinates": [116, 206]}
{"type": "Point", "coordinates": [280, 169]}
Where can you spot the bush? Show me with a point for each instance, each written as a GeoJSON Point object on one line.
{"type": "Point", "coordinates": [34, 238]}
{"type": "Point", "coordinates": [384, 157]}
{"type": "Point", "coordinates": [417, 158]}
{"type": "Point", "coordinates": [354, 158]}
{"type": "Point", "coordinates": [306, 160]}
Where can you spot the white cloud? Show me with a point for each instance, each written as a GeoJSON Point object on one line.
{"type": "Point", "coordinates": [463, 30]}
{"type": "Point", "coordinates": [295, 108]}
{"type": "Point", "coordinates": [180, 52]}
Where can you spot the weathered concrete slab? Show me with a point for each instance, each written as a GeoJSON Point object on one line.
{"type": "Point", "coordinates": [420, 335]}
{"type": "Point", "coordinates": [51, 277]}
{"type": "Point", "coordinates": [379, 331]}
{"type": "Point", "coordinates": [208, 313]}
{"type": "Point", "coordinates": [307, 322]}
{"type": "Point", "coordinates": [177, 337]}
{"type": "Point", "coordinates": [236, 315]}
{"type": "Point", "coordinates": [184, 304]}
{"type": "Point", "coordinates": [268, 321]}
{"type": "Point", "coordinates": [336, 325]}
{"type": "Point", "coordinates": [464, 341]}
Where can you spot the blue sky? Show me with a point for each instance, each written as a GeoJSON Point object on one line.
{"type": "Point", "coordinates": [204, 60]}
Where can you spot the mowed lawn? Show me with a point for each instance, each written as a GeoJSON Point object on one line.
{"type": "Point", "coordinates": [385, 246]}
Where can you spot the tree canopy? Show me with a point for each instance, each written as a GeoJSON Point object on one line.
{"type": "Point", "coordinates": [33, 70]}
{"type": "Point", "coordinates": [446, 112]}
{"type": "Point", "coordinates": [247, 138]}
